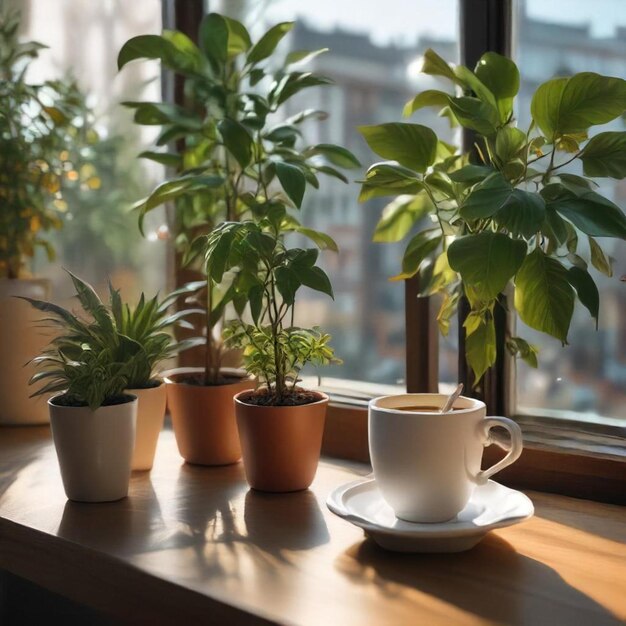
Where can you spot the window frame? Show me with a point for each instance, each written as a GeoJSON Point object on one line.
{"type": "Point", "coordinates": [485, 25]}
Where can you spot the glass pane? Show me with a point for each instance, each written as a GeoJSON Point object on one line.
{"type": "Point", "coordinates": [588, 377]}
{"type": "Point", "coordinates": [374, 58]}
{"type": "Point", "coordinates": [100, 238]}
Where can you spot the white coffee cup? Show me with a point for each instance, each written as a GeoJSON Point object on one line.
{"type": "Point", "coordinates": [427, 464]}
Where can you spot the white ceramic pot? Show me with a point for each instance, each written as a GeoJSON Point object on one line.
{"type": "Point", "coordinates": [150, 417]}
{"type": "Point", "coordinates": [95, 449]}
{"type": "Point", "coordinates": [427, 464]}
{"type": "Point", "coordinates": [20, 341]}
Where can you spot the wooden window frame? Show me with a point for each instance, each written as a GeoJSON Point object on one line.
{"type": "Point", "coordinates": [485, 25]}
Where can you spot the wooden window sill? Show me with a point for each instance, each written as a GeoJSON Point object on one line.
{"type": "Point", "coordinates": [195, 545]}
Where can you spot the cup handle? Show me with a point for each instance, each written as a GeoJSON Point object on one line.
{"type": "Point", "coordinates": [514, 450]}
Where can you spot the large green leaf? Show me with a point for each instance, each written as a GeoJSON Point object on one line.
{"type": "Point", "coordinates": [471, 82]}
{"type": "Point", "coordinates": [509, 143]}
{"type": "Point", "coordinates": [400, 215]}
{"type": "Point", "coordinates": [480, 347]}
{"type": "Point", "coordinates": [238, 37]}
{"type": "Point", "coordinates": [337, 155]}
{"type": "Point", "coordinates": [471, 174]}
{"type": "Point", "coordinates": [423, 244]}
{"type": "Point", "coordinates": [592, 213]}
{"type": "Point", "coordinates": [487, 197]}
{"type": "Point", "coordinates": [412, 145]}
{"type": "Point", "coordinates": [544, 298]}
{"type": "Point", "coordinates": [321, 240]}
{"type": "Point", "coordinates": [501, 76]}
{"type": "Point", "coordinates": [605, 155]}
{"type": "Point", "coordinates": [390, 179]}
{"type": "Point", "coordinates": [177, 53]}
{"type": "Point", "coordinates": [295, 82]}
{"type": "Point", "coordinates": [237, 140]}
{"type": "Point", "coordinates": [486, 261]}
{"type": "Point", "coordinates": [268, 42]}
{"type": "Point", "coordinates": [571, 105]}
{"type": "Point", "coordinates": [317, 279]}
{"type": "Point", "coordinates": [428, 98]}
{"type": "Point", "coordinates": [522, 214]}
{"type": "Point", "coordinates": [586, 289]}
{"type": "Point", "coordinates": [475, 114]}
{"type": "Point", "coordinates": [213, 37]}
{"type": "Point", "coordinates": [434, 65]}
{"type": "Point", "coordinates": [292, 180]}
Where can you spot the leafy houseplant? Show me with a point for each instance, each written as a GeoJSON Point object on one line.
{"type": "Point", "coordinates": [38, 130]}
{"type": "Point", "coordinates": [508, 212]}
{"type": "Point", "coordinates": [114, 350]}
{"type": "Point", "coordinates": [234, 154]}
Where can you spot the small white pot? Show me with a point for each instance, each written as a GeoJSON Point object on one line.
{"type": "Point", "coordinates": [95, 449]}
{"type": "Point", "coordinates": [20, 340]}
{"type": "Point", "coordinates": [150, 417]}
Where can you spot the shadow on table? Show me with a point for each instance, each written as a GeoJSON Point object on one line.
{"type": "Point", "coordinates": [491, 581]}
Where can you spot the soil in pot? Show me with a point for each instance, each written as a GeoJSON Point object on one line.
{"type": "Point", "coordinates": [281, 444]}
{"type": "Point", "coordinates": [67, 400]}
{"type": "Point", "coordinates": [203, 417]}
{"type": "Point", "coordinates": [298, 397]}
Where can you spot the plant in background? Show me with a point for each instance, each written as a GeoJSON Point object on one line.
{"type": "Point", "coordinates": [508, 212]}
{"type": "Point", "coordinates": [39, 123]}
{"type": "Point", "coordinates": [236, 163]}
{"type": "Point", "coordinates": [95, 358]}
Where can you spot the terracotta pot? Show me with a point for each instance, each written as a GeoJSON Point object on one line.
{"type": "Point", "coordinates": [20, 341]}
{"type": "Point", "coordinates": [281, 444]}
{"type": "Point", "coordinates": [204, 418]}
{"type": "Point", "coordinates": [150, 417]}
{"type": "Point", "coordinates": [94, 449]}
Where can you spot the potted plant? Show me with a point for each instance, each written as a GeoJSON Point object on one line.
{"type": "Point", "coordinates": [137, 339]}
{"type": "Point", "coordinates": [38, 125]}
{"type": "Point", "coordinates": [508, 215]}
{"type": "Point", "coordinates": [280, 424]}
{"type": "Point", "coordinates": [232, 149]}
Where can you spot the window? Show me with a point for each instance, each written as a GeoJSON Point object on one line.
{"type": "Point", "coordinates": [587, 379]}
{"type": "Point", "coordinates": [374, 57]}
{"type": "Point", "coordinates": [100, 238]}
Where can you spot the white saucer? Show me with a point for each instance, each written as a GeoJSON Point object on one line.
{"type": "Point", "coordinates": [491, 506]}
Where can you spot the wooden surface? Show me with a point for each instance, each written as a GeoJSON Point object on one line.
{"type": "Point", "coordinates": [194, 546]}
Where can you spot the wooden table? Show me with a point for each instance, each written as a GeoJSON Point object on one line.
{"type": "Point", "coordinates": [193, 545]}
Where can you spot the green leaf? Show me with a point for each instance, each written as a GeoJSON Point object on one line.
{"type": "Point", "coordinates": [238, 37]}
{"type": "Point", "coordinates": [295, 82]}
{"type": "Point", "coordinates": [480, 348]}
{"type": "Point", "coordinates": [571, 105]}
{"type": "Point", "coordinates": [174, 50]}
{"type": "Point", "coordinates": [267, 44]}
{"type": "Point", "coordinates": [526, 351]}
{"type": "Point", "coordinates": [472, 82]}
{"type": "Point", "coordinates": [600, 260]}
{"type": "Point", "coordinates": [586, 289]}
{"type": "Point", "coordinates": [213, 36]}
{"type": "Point", "coordinates": [287, 282]}
{"type": "Point", "coordinates": [501, 76]}
{"type": "Point", "coordinates": [303, 56]}
{"type": "Point", "coordinates": [428, 98]}
{"type": "Point", "coordinates": [341, 157]}
{"type": "Point", "coordinates": [487, 197]}
{"type": "Point", "coordinates": [168, 159]}
{"type": "Point", "coordinates": [330, 171]}
{"type": "Point", "coordinates": [436, 66]}
{"type": "Point", "coordinates": [391, 179]}
{"type": "Point", "coordinates": [605, 155]}
{"type": "Point", "coordinates": [555, 227]}
{"type": "Point", "coordinates": [522, 214]}
{"type": "Point", "coordinates": [509, 143]}
{"type": "Point", "coordinates": [315, 278]}
{"type": "Point", "coordinates": [475, 114]}
{"type": "Point", "coordinates": [321, 240]}
{"type": "Point", "coordinates": [544, 298]}
{"type": "Point", "coordinates": [292, 180]}
{"type": "Point", "coordinates": [237, 140]}
{"type": "Point", "coordinates": [486, 261]}
{"type": "Point", "coordinates": [412, 145]}
{"type": "Point", "coordinates": [399, 216]}
{"type": "Point", "coordinates": [423, 244]}
{"type": "Point", "coordinates": [592, 213]}
{"type": "Point", "coordinates": [471, 174]}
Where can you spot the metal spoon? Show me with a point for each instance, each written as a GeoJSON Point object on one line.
{"type": "Point", "coordinates": [452, 399]}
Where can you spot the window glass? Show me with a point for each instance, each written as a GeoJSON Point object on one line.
{"type": "Point", "coordinates": [374, 58]}
{"type": "Point", "coordinates": [586, 379]}
{"type": "Point", "coordinates": [100, 239]}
